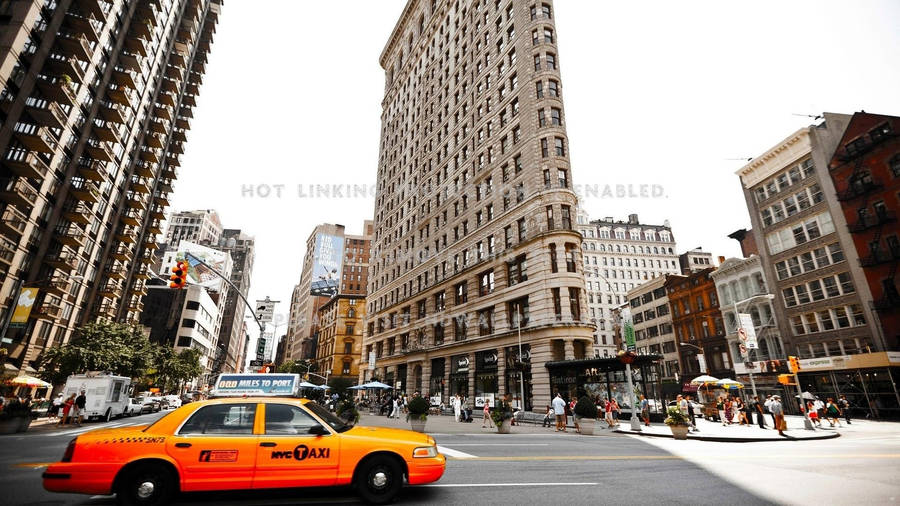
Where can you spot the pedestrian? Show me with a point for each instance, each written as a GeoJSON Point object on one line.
{"type": "Point", "coordinates": [487, 415]}
{"type": "Point", "coordinates": [778, 412]}
{"type": "Point", "coordinates": [467, 410]}
{"type": "Point", "coordinates": [767, 405]}
{"type": "Point", "coordinates": [813, 413]}
{"type": "Point", "coordinates": [607, 409]}
{"type": "Point", "coordinates": [559, 409]}
{"type": "Point", "coordinates": [548, 416]}
{"type": "Point", "coordinates": [691, 414]}
{"type": "Point", "coordinates": [833, 412]}
{"type": "Point", "coordinates": [66, 408]}
{"type": "Point", "coordinates": [740, 411]}
{"type": "Point", "coordinates": [720, 407]}
{"type": "Point", "coordinates": [729, 410]}
{"type": "Point", "coordinates": [645, 410]}
{"type": "Point", "coordinates": [844, 404]}
{"type": "Point", "coordinates": [80, 403]}
{"type": "Point", "coordinates": [57, 405]}
{"type": "Point", "coordinates": [395, 412]}
{"type": "Point", "coordinates": [760, 412]}
{"type": "Point", "coordinates": [615, 411]}
{"type": "Point", "coordinates": [570, 409]}
{"type": "Point", "coordinates": [820, 408]}
{"type": "Point", "coordinates": [457, 406]}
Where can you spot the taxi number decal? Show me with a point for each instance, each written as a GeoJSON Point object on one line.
{"type": "Point", "coordinates": [303, 452]}
{"type": "Point", "coordinates": [218, 456]}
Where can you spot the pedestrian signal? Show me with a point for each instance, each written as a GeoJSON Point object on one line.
{"type": "Point", "coordinates": [178, 279]}
{"type": "Point", "coordinates": [794, 364]}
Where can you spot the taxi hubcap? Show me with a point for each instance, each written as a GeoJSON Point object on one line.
{"type": "Point", "coordinates": [379, 479]}
{"type": "Point", "coordinates": [145, 489]}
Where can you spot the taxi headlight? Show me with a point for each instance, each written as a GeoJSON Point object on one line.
{"type": "Point", "coordinates": [425, 452]}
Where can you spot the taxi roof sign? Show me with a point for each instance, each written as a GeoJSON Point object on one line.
{"type": "Point", "coordinates": [256, 385]}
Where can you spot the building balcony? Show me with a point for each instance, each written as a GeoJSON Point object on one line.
{"type": "Point", "coordinates": [169, 86]}
{"type": "Point", "coordinates": [175, 73]}
{"type": "Point", "coordinates": [18, 192]}
{"type": "Point", "coordinates": [189, 100]}
{"type": "Point", "coordinates": [879, 257]}
{"type": "Point", "coordinates": [161, 199]}
{"type": "Point", "coordinates": [91, 7]}
{"type": "Point", "coordinates": [145, 14]}
{"type": "Point", "coordinates": [59, 92]}
{"type": "Point", "coordinates": [46, 311]}
{"type": "Point", "coordinates": [164, 185]}
{"type": "Point", "coordinates": [195, 78]}
{"type": "Point", "coordinates": [146, 258]}
{"type": "Point", "coordinates": [179, 136]}
{"type": "Point", "coordinates": [121, 96]}
{"type": "Point", "coordinates": [153, 141]}
{"type": "Point", "coordinates": [76, 46]}
{"type": "Point", "coordinates": [150, 243]}
{"type": "Point", "coordinates": [137, 289]}
{"type": "Point", "coordinates": [134, 200]}
{"type": "Point", "coordinates": [162, 113]}
{"type": "Point", "coordinates": [141, 30]}
{"type": "Point", "coordinates": [28, 165]}
{"type": "Point", "coordinates": [142, 273]}
{"type": "Point", "coordinates": [140, 185]}
{"type": "Point", "coordinates": [81, 26]}
{"type": "Point", "coordinates": [92, 170]}
{"type": "Point", "coordinates": [110, 289]}
{"type": "Point", "coordinates": [149, 155]}
{"type": "Point", "coordinates": [131, 217]}
{"type": "Point", "coordinates": [871, 221]}
{"type": "Point", "coordinates": [38, 140]}
{"type": "Point", "coordinates": [198, 67]}
{"type": "Point", "coordinates": [126, 236]}
{"type": "Point", "coordinates": [78, 212]}
{"type": "Point", "coordinates": [64, 260]}
{"type": "Point", "coordinates": [136, 305]}
{"type": "Point", "coordinates": [64, 67]}
{"type": "Point", "coordinates": [192, 89]}
{"type": "Point", "coordinates": [154, 227]}
{"type": "Point", "coordinates": [176, 147]}
{"type": "Point", "coordinates": [186, 111]}
{"type": "Point", "coordinates": [51, 116]}
{"type": "Point", "coordinates": [110, 112]}
{"type": "Point", "coordinates": [85, 191]}
{"type": "Point", "coordinates": [107, 134]}
{"type": "Point", "coordinates": [171, 162]}
{"type": "Point", "coordinates": [135, 46]}
{"type": "Point", "coordinates": [7, 252]}
{"type": "Point", "coordinates": [122, 253]}
{"type": "Point", "coordinates": [107, 310]}
{"type": "Point", "coordinates": [184, 36]}
{"type": "Point", "coordinates": [157, 213]}
{"type": "Point", "coordinates": [176, 59]}
{"type": "Point", "coordinates": [858, 189]}
{"type": "Point", "coordinates": [169, 171]}
{"type": "Point", "coordinates": [129, 62]}
{"type": "Point", "coordinates": [58, 286]}
{"type": "Point", "coordinates": [12, 223]}
{"type": "Point", "coordinates": [71, 236]}
{"type": "Point", "coordinates": [159, 127]}
{"type": "Point", "coordinates": [115, 272]}
{"type": "Point", "coordinates": [124, 79]}
{"type": "Point", "coordinates": [166, 99]}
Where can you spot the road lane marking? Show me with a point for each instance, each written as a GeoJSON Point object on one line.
{"type": "Point", "coordinates": [455, 454]}
{"type": "Point", "coordinates": [538, 484]}
{"type": "Point", "coordinates": [538, 458]}
{"type": "Point", "coordinates": [501, 444]}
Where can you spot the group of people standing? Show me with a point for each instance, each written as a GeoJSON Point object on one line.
{"type": "Point", "coordinates": [607, 410]}
{"type": "Point", "coordinates": [68, 409]}
{"type": "Point", "coordinates": [830, 410]}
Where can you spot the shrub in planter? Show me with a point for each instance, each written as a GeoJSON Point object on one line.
{"type": "Point", "coordinates": [417, 413]}
{"type": "Point", "coordinates": [585, 415]}
{"type": "Point", "coordinates": [502, 415]}
{"type": "Point", "coordinates": [678, 422]}
{"type": "Point", "coordinates": [346, 410]}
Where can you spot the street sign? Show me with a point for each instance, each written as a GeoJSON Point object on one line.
{"type": "Point", "coordinates": [746, 331]}
{"type": "Point", "coordinates": [265, 309]}
{"type": "Point", "coordinates": [256, 363]}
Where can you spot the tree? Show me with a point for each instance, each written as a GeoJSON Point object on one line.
{"type": "Point", "coordinates": [300, 367]}
{"type": "Point", "coordinates": [170, 368]}
{"type": "Point", "coordinates": [119, 348]}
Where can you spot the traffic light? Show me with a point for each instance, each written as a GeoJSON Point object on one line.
{"type": "Point", "coordinates": [784, 379]}
{"type": "Point", "coordinates": [178, 279]}
{"type": "Point", "coordinates": [794, 364]}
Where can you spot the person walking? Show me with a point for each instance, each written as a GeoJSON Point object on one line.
{"type": "Point", "coordinates": [66, 408]}
{"type": "Point", "coordinates": [457, 406]}
{"type": "Point", "coordinates": [487, 415]}
{"type": "Point", "coordinates": [760, 412]}
{"type": "Point", "coordinates": [820, 408]}
{"type": "Point", "coordinates": [615, 411]}
{"type": "Point", "coordinates": [813, 413]}
{"type": "Point", "coordinates": [833, 412]}
{"type": "Point", "coordinates": [778, 412]}
{"type": "Point", "coordinates": [395, 412]}
{"type": "Point", "coordinates": [767, 405]}
{"type": "Point", "coordinates": [57, 405]}
{"type": "Point", "coordinates": [720, 407]}
{"type": "Point", "coordinates": [692, 415]}
{"type": "Point", "coordinates": [645, 410]}
{"type": "Point", "coordinates": [548, 416]}
{"type": "Point", "coordinates": [844, 404]}
{"type": "Point", "coordinates": [607, 409]}
{"type": "Point", "coordinates": [559, 409]}
{"type": "Point", "coordinates": [570, 410]}
{"type": "Point", "coordinates": [80, 403]}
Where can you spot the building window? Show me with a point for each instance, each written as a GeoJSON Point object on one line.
{"type": "Point", "coordinates": [575, 303]}
{"type": "Point", "coordinates": [349, 330]}
{"type": "Point", "coordinates": [438, 334]}
{"type": "Point", "coordinates": [566, 214]}
{"type": "Point", "coordinates": [486, 321]}
{"type": "Point", "coordinates": [545, 148]}
{"type": "Point", "coordinates": [551, 61]}
{"type": "Point", "coordinates": [542, 118]}
{"type": "Point", "coordinates": [439, 301]}
{"type": "Point", "coordinates": [539, 91]}
{"type": "Point", "coordinates": [553, 88]}
{"type": "Point", "coordinates": [563, 178]}
{"type": "Point", "coordinates": [461, 291]}
{"type": "Point", "coordinates": [459, 327]}
{"type": "Point", "coordinates": [421, 308]}
{"type": "Point", "coordinates": [517, 270]}
{"type": "Point", "coordinates": [549, 217]}
{"type": "Point", "coordinates": [521, 229]}
{"type": "Point", "coordinates": [570, 257]}
{"type": "Point", "coordinates": [553, 262]}
{"type": "Point", "coordinates": [486, 282]}
{"type": "Point", "coordinates": [555, 116]}
{"type": "Point", "coordinates": [517, 311]}
{"type": "Point", "coordinates": [548, 36]}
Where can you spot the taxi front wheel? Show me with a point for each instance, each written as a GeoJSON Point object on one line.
{"type": "Point", "coordinates": [149, 484]}
{"type": "Point", "coordinates": [379, 479]}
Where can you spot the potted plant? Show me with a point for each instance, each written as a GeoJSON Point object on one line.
{"type": "Point", "coordinates": [586, 415]}
{"type": "Point", "coordinates": [346, 410]}
{"type": "Point", "coordinates": [502, 416]}
{"type": "Point", "coordinates": [678, 422]}
{"type": "Point", "coordinates": [418, 413]}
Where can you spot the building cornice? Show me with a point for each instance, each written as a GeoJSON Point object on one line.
{"type": "Point", "coordinates": [775, 159]}
{"type": "Point", "coordinates": [395, 34]}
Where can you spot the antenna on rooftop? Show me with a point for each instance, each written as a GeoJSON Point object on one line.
{"type": "Point", "coordinates": [813, 116]}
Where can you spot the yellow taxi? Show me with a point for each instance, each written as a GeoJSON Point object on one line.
{"type": "Point", "coordinates": [244, 443]}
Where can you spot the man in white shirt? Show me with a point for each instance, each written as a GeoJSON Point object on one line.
{"type": "Point", "coordinates": [559, 408]}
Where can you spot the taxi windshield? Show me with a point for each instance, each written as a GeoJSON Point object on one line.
{"type": "Point", "coordinates": [329, 418]}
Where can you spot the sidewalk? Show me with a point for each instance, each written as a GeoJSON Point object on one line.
{"type": "Point", "coordinates": [445, 424]}
{"type": "Point", "coordinates": [715, 431]}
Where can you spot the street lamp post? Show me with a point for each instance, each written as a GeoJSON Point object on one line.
{"type": "Point", "coordinates": [739, 326]}
{"type": "Point", "coordinates": [521, 362]}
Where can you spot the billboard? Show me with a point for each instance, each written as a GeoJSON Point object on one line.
{"type": "Point", "coordinates": [199, 274]}
{"type": "Point", "coordinates": [239, 385]}
{"type": "Point", "coordinates": [23, 307]}
{"type": "Point", "coordinates": [746, 333]}
{"type": "Point", "coordinates": [628, 329]}
{"type": "Point", "coordinates": [327, 260]}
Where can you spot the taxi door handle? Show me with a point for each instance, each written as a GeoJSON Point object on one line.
{"type": "Point", "coordinates": [182, 445]}
{"type": "Point", "coordinates": [268, 444]}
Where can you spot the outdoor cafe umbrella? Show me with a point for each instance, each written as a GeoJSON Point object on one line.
{"type": "Point", "coordinates": [376, 385]}
{"type": "Point", "coordinates": [306, 384]}
{"type": "Point", "coordinates": [28, 381]}
{"type": "Point", "coordinates": [729, 383]}
{"type": "Point", "coordinates": [704, 381]}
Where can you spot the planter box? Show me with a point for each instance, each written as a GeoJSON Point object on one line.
{"type": "Point", "coordinates": [417, 425]}
{"type": "Point", "coordinates": [586, 426]}
{"type": "Point", "coordinates": [503, 428]}
{"type": "Point", "coordinates": [680, 431]}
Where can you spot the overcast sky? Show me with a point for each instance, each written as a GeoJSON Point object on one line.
{"type": "Point", "coordinates": [656, 93]}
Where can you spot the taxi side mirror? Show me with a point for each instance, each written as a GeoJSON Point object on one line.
{"type": "Point", "coordinates": [318, 430]}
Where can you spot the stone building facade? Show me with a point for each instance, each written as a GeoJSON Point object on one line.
{"type": "Point", "coordinates": [339, 347]}
{"type": "Point", "coordinates": [475, 235]}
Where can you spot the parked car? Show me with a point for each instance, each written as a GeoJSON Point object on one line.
{"type": "Point", "coordinates": [135, 406]}
{"type": "Point", "coordinates": [173, 401]}
{"type": "Point", "coordinates": [152, 404]}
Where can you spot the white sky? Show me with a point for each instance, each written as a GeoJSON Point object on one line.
{"type": "Point", "coordinates": [656, 92]}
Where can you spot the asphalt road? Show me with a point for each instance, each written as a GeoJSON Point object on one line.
{"type": "Point", "coordinates": [546, 468]}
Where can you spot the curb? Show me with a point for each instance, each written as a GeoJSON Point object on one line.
{"type": "Point", "coordinates": [725, 439]}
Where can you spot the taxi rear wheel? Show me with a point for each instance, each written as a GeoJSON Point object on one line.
{"type": "Point", "coordinates": [379, 479]}
{"type": "Point", "coordinates": [149, 484]}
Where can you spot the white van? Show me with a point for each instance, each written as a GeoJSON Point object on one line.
{"type": "Point", "coordinates": [107, 395]}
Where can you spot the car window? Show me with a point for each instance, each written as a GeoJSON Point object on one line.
{"type": "Point", "coordinates": [335, 422]}
{"type": "Point", "coordinates": [227, 419]}
{"type": "Point", "coordinates": [283, 419]}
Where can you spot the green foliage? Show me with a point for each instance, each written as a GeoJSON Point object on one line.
{"type": "Point", "coordinates": [502, 411]}
{"type": "Point", "coordinates": [346, 410]}
{"type": "Point", "coordinates": [170, 368]}
{"type": "Point", "coordinates": [297, 367]}
{"type": "Point", "coordinates": [585, 408]}
{"type": "Point", "coordinates": [418, 408]}
{"type": "Point", "coordinates": [676, 417]}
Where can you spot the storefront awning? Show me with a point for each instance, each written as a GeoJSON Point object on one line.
{"type": "Point", "coordinates": [603, 364]}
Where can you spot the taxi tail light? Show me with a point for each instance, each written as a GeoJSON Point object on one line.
{"type": "Point", "coordinates": [425, 452]}
{"type": "Point", "coordinates": [70, 450]}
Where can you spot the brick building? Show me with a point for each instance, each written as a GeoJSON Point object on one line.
{"type": "Point", "coordinates": [339, 347]}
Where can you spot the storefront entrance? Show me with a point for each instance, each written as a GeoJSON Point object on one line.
{"type": "Point", "coordinates": [604, 379]}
